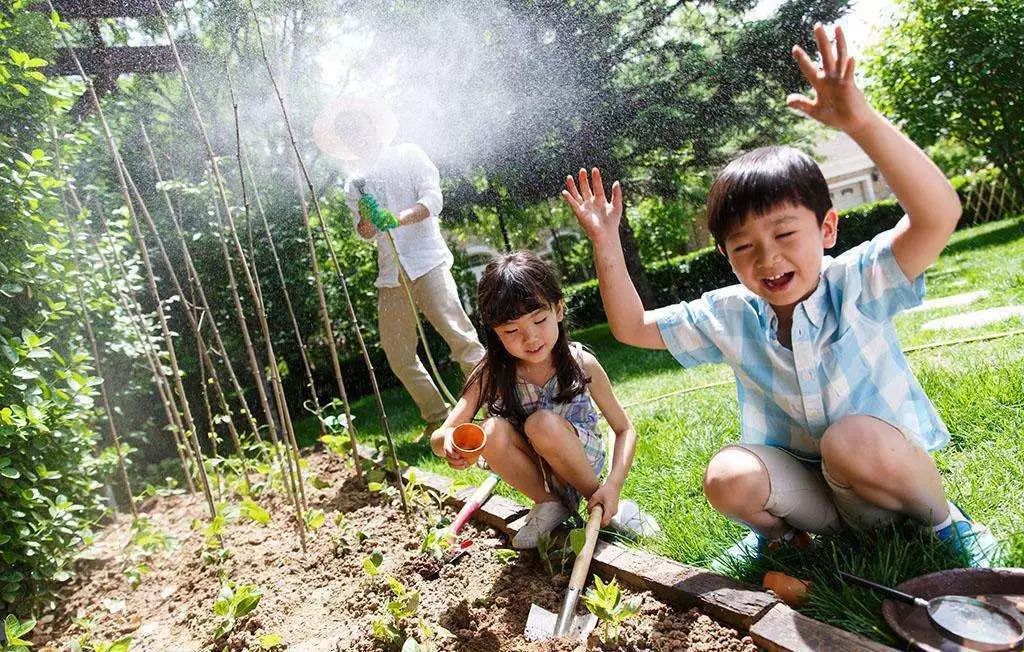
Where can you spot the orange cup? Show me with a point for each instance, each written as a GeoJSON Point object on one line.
{"type": "Point", "coordinates": [469, 440]}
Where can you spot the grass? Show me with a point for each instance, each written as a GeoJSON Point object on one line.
{"type": "Point", "coordinates": [978, 389]}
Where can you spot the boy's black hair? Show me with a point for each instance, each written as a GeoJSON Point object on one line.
{"type": "Point", "coordinates": [760, 180]}
{"type": "Point", "coordinates": [511, 286]}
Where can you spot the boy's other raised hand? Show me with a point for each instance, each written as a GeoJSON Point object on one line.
{"type": "Point", "coordinates": [598, 216]}
{"type": "Point", "coordinates": [837, 101]}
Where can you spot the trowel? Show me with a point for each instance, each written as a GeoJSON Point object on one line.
{"type": "Point", "coordinates": [541, 623]}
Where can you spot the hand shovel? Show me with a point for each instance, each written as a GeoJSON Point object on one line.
{"type": "Point", "coordinates": [541, 623]}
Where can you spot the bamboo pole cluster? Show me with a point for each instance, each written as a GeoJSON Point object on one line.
{"type": "Point", "coordinates": [219, 382]}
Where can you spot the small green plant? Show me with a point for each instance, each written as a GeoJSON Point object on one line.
{"type": "Point", "coordinates": [252, 510]}
{"type": "Point", "coordinates": [337, 444]}
{"type": "Point", "coordinates": [146, 541]}
{"type": "Point", "coordinates": [13, 631]}
{"type": "Point", "coordinates": [271, 640]}
{"type": "Point", "coordinates": [605, 601]}
{"type": "Point", "coordinates": [506, 555]}
{"type": "Point", "coordinates": [437, 541]}
{"type": "Point", "coordinates": [232, 604]}
{"type": "Point", "coordinates": [314, 518]}
{"type": "Point", "coordinates": [372, 563]}
{"type": "Point", "coordinates": [86, 644]}
{"type": "Point", "coordinates": [544, 552]}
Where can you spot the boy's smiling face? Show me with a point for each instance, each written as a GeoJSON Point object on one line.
{"type": "Point", "coordinates": [777, 255]}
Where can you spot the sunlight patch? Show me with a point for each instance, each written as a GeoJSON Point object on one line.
{"type": "Point", "coordinates": [975, 319]}
{"type": "Point", "coordinates": [963, 299]}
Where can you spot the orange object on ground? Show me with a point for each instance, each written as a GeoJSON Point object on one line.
{"type": "Point", "coordinates": [791, 590]}
{"type": "Point", "coordinates": [469, 440]}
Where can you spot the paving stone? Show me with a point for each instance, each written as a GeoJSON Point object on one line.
{"type": "Point", "coordinates": [784, 630]}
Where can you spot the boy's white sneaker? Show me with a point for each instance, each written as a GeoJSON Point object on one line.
{"type": "Point", "coordinates": [541, 519]}
{"type": "Point", "coordinates": [632, 521]}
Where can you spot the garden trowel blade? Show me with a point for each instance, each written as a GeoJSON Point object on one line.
{"type": "Point", "coordinates": [540, 624]}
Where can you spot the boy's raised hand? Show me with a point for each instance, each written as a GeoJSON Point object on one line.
{"type": "Point", "coordinates": [838, 102]}
{"type": "Point", "coordinates": [598, 216]}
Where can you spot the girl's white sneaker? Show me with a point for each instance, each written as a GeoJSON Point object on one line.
{"type": "Point", "coordinates": [541, 519]}
{"type": "Point", "coordinates": [631, 521]}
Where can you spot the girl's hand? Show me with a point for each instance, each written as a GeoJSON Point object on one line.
{"type": "Point", "coordinates": [838, 102]}
{"type": "Point", "coordinates": [454, 458]}
{"type": "Point", "coordinates": [607, 495]}
{"type": "Point", "coordinates": [598, 216]}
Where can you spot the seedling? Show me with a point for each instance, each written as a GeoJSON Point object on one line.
{"type": "Point", "coordinates": [544, 552]}
{"type": "Point", "coordinates": [233, 604]}
{"type": "Point", "coordinates": [251, 509]}
{"type": "Point", "coordinates": [146, 540]}
{"type": "Point", "coordinates": [372, 563]}
{"type": "Point", "coordinates": [271, 640]}
{"type": "Point", "coordinates": [437, 542]}
{"type": "Point", "coordinates": [83, 644]}
{"type": "Point", "coordinates": [605, 601]}
{"type": "Point", "coordinates": [506, 555]}
{"type": "Point", "coordinates": [13, 631]}
{"type": "Point", "coordinates": [314, 518]}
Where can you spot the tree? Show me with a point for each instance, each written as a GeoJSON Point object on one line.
{"type": "Point", "coordinates": [952, 69]}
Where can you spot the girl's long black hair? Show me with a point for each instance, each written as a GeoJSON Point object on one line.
{"type": "Point", "coordinates": [514, 285]}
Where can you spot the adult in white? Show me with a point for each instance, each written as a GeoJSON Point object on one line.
{"type": "Point", "coordinates": [405, 181]}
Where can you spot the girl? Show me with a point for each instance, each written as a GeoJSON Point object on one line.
{"type": "Point", "coordinates": [537, 386]}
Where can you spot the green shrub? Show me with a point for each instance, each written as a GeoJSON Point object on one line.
{"type": "Point", "coordinates": [48, 487]}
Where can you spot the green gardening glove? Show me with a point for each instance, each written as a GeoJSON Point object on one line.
{"type": "Point", "coordinates": [380, 217]}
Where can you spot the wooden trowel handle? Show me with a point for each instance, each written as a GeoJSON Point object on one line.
{"type": "Point", "coordinates": [581, 568]}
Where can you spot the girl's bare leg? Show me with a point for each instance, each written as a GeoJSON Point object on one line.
{"type": "Point", "coordinates": [509, 455]}
{"type": "Point", "coordinates": [555, 440]}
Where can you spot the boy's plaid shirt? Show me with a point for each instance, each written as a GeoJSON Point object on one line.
{"type": "Point", "coordinates": [845, 359]}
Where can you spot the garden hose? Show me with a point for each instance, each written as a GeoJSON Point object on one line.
{"type": "Point", "coordinates": [384, 220]}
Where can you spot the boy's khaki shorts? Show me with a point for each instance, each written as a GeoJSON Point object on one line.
{"type": "Point", "coordinates": [809, 499]}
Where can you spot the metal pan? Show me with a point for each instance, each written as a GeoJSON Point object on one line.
{"type": "Point", "coordinates": [966, 621]}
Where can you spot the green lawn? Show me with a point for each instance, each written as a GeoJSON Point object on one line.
{"type": "Point", "coordinates": [977, 387]}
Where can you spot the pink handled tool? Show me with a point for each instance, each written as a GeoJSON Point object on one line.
{"type": "Point", "coordinates": [479, 497]}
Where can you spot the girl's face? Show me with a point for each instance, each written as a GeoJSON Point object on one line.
{"type": "Point", "coordinates": [531, 337]}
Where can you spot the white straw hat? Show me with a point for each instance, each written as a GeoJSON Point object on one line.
{"type": "Point", "coordinates": [330, 141]}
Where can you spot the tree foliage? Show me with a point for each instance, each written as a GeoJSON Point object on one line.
{"type": "Point", "coordinates": [952, 69]}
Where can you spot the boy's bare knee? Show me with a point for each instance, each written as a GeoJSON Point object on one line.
{"type": "Point", "coordinates": [860, 447]}
{"type": "Point", "coordinates": [735, 482]}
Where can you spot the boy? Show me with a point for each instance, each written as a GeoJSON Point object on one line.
{"type": "Point", "coordinates": [835, 428]}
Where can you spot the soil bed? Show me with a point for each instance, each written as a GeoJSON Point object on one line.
{"type": "Point", "coordinates": [324, 599]}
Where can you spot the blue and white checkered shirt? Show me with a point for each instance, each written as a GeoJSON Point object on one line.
{"type": "Point", "coordinates": [845, 359]}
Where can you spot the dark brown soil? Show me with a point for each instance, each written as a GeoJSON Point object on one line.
{"type": "Point", "coordinates": [323, 599]}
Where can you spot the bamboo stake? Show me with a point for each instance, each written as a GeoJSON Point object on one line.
{"type": "Point", "coordinates": [337, 267]}
{"type": "Point", "coordinates": [211, 432]}
{"type": "Point", "coordinates": [193, 273]}
{"type": "Point", "coordinates": [286, 472]}
{"type": "Point", "coordinates": [203, 349]}
{"type": "Point", "coordinates": [325, 318]}
{"type": "Point", "coordinates": [306, 367]}
{"type": "Point", "coordinates": [87, 320]}
{"type": "Point", "coordinates": [109, 138]}
{"type": "Point", "coordinates": [128, 303]}
{"type": "Point", "coordinates": [278, 385]}
{"type": "Point", "coordinates": [259, 308]}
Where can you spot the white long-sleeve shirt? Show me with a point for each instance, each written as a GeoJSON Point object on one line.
{"type": "Point", "coordinates": [400, 177]}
